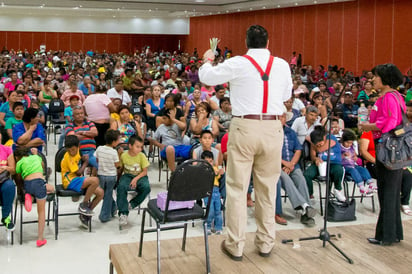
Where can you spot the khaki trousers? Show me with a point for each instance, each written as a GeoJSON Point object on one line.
{"type": "Point", "coordinates": [253, 146]}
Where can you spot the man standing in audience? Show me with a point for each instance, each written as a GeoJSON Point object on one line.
{"type": "Point", "coordinates": [255, 136]}
{"type": "Point", "coordinates": [350, 111]}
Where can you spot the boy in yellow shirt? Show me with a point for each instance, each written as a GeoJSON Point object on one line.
{"type": "Point", "coordinates": [73, 179]}
{"type": "Point", "coordinates": [134, 166]}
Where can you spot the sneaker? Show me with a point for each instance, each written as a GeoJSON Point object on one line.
{"type": "Point", "coordinates": [8, 223]}
{"type": "Point", "coordinates": [122, 220]}
{"type": "Point", "coordinates": [366, 191]}
{"type": "Point", "coordinates": [209, 232]}
{"type": "Point", "coordinates": [310, 212]}
{"type": "Point", "coordinates": [219, 232]}
{"type": "Point", "coordinates": [84, 221]}
{"type": "Point", "coordinates": [306, 220]}
{"type": "Point", "coordinates": [151, 154]}
{"type": "Point", "coordinates": [373, 187]}
{"type": "Point", "coordinates": [340, 196]}
{"type": "Point", "coordinates": [85, 210]}
{"type": "Point", "coordinates": [27, 202]}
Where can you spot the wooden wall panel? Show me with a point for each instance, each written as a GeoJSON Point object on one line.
{"type": "Point", "coordinates": [64, 41]}
{"type": "Point", "coordinates": [26, 41]}
{"type": "Point", "coordinates": [356, 34]}
{"type": "Point", "coordinates": [51, 40]}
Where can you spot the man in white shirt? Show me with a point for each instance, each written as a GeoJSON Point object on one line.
{"type": "Point", "coordinates": [304, 125]}
{"type": "Point", "coordinates": [220, 92]}
{"type": "Point", "coordinates": [259, 84]}
{"type": "Point", "coordinates": [118, 92]}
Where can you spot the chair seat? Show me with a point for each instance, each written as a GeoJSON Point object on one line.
{"type": "Point", "coordinates": [175, 215]}
{"type": "Point", "coordinates": [60, 191]}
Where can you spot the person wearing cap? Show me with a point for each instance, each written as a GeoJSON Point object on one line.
{"type": "Point", "coordinates": [350, 111]}
{"type": "Point", "coordinates": [255, 136]}
{"type": "Point", "coordinates": [73, 90]}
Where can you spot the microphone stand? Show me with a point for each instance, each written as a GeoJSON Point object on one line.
{"type": "Point", "coordinates": [324, 235]}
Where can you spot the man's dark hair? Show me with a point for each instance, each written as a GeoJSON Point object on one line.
{"type": "Point", "coordinates": [134, 138]}
{"type": "Point", "coordinates": [30, 114]}
{"type": "Point", "coordinates": [111, 136]}
{"type": "Point", "coordinates": [17, 104]}
{"type": "Point", "coordinates": [206, 154]}
{"type": "Point", "coordinates": [390, 75]}
{"type": "Point", "coordinates": [256, 37]}
{"type": "Point", "coordinates": [71, 141]}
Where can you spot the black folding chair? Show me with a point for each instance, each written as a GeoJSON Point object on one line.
{"type": "Point", "coordinates": [192, 180]}
{"type": "Point", "coordinates": [51, 198]}
{"type": "Point", "coordinates": [61, 192]}
{"type": "Point", "coordinates": [55, 117]}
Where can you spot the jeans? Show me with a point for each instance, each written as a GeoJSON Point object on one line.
{"type": "Point", "coordinates": [142, 189]}
{"type": "Point", "coordinates": [61, 139]}
{"type": "Point", "coordinates": [406, 187]}
{"type": "Point", "coordinates": [215, 211]}
{"type": "Point", "coordinates": [359, 174]}
{"type": "Point", "coordinates": [222, 185]}
{"type": "Point", "coordinates": [107, 183]}
{"type": "Point", "coordinates": [278, 210]}
{"type": "Point", "coordinates": [7, 191]}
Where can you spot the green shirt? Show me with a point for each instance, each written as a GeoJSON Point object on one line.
{"type": "Point", "coordinates": [11, 122]}
{"type": "Point", "coordinates": [133, 165]}
{"type": "Point", "coordinates": [29, 165]}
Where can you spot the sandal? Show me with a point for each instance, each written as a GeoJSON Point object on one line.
{"type": "Point", "coordinates": [406, 210]}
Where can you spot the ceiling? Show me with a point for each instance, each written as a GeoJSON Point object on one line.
{"type": "Point", "coordinates": [148, 8]}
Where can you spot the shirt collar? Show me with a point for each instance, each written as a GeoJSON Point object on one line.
{"type": "Point", "coordinates": [258, 52]}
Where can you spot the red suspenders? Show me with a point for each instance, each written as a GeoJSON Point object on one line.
{"type": "Point", "coordinates": [265, 78]}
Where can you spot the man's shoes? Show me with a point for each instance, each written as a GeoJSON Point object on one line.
{"type": "Point", "coordinates": [264, 254]}
{"type": "Point", "coordinates": [280, 220]}
{"type": "Point", "coordinates": [310, 211]}
{"type": "Point", "coordinates": [227, 253]}
{"type": "Point", "coordinates": [84, 221]}
{"type": "Point", "coordinates": [85, 210]}
{"type": "Point", "coordinates": [249, 201]}
{"type": "Point", "coordinates": [306, 220]}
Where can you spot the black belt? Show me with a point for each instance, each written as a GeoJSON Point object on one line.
{"type": "Point", "coordinates": [259, 117]}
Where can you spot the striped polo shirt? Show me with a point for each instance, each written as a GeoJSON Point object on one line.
{"type": "Point", "coordinates": [87, 143]}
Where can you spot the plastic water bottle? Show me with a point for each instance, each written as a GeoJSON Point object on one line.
{"type": "Point", "coordinates": [363, 114]}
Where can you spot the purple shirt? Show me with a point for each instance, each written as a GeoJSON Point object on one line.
{"type": "Point", "coordinates": [348, 161]}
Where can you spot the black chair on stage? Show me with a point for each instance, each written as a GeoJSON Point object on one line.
{"type": "Point", "coordinates": [191, 181]}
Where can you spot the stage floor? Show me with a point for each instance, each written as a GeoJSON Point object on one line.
{"type": "Point", "coordinates": [300, 257]}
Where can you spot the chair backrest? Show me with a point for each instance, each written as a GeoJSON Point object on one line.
{"type": "Point", "coordinates": [57, 162]}
{"type": "Point", "coordinates": [192, 180]}
{"type": "Point", "coordinates": [44, 160]}
{"type": "Point", "coordinates": [56, 106]}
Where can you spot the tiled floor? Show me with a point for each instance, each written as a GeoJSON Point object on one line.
{"type": "Point", "coordinates": [78, 251]}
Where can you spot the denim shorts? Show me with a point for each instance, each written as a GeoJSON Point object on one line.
{"type": "Point", "coordinates": [36, 187]}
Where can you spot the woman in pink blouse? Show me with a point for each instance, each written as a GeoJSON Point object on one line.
{"type": "Point", "coordinates": [70, 92]}
{"type": "Point", "coordinates": [385, 116]}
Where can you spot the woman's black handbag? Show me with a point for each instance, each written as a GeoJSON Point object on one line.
{"type": "Point", "coordinates": [4, 176]}
{"type": "Point", "coordinates": [394, 148]}
{"type": "Point", "coordinates": [341, 211]}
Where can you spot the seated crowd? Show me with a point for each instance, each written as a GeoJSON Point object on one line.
{"type": "Point", "coordinates": [115, 105]}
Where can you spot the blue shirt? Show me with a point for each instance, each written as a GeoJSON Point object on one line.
{"type": "Point", "coordinates": [155, 109]}
{"type": "Point", "coordinates": [19, 130]}
{"type": "Point", "coordinates": [68, 111]}
{"type": "Point", "coordinates": [290, 145]}
{"type": "Point", "coordinates": [5, 108]}
{"type": "Point", "coordinates": [350, 122]}
{"type": "Point", "coordinates": [335, 152]}
{"type": "Point", "coordinates": [86, 90]}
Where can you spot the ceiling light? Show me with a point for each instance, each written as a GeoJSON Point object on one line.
{"type": "Point", "coordinates": [315, 2]}
{"type": "Point", "coordinates": [278, 6]}
{"type": "Point", "coordinates": [264, 7]}
{"type": "Point", "coordinates": [250, 8]}
{"type": "Point", "coordinates": [296, 4]}
{"type": "Point", "coordinates": [238, 9]}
